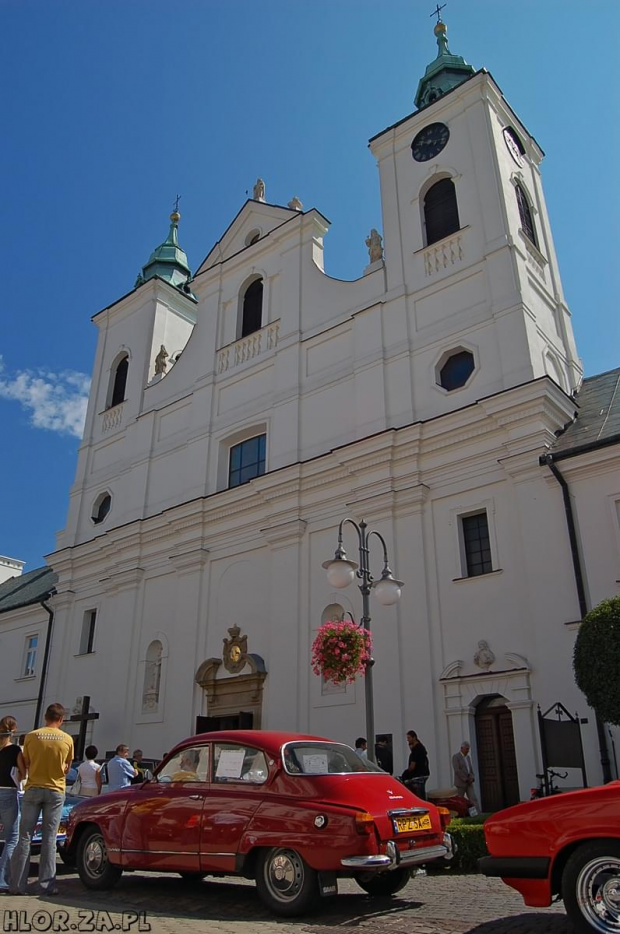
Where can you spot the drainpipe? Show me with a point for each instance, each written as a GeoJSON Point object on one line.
{"type": "Point", "coordinates": [547, 459]}
{"type": "Point", "coordinates": [46, 655]}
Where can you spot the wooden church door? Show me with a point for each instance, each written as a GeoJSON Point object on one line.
{"type": "Point", "coordinates": [497, 762]}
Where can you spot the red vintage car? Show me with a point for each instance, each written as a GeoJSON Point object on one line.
{"type": "Point", "coordinates": [566, 845]}
{"type": "Point", "coordinates": [292, 812]}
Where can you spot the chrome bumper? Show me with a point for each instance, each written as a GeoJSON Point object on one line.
{"type": "Point", "coordinates": [395, 857]}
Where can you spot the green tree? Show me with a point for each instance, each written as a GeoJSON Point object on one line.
{"type": "Point", "coordinates": [596, 659]}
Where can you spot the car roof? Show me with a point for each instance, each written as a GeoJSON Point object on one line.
{"type": "Point", "coordinates": [269, 740]}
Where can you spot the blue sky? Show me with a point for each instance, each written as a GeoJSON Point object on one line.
{"type": "Point", "coordinates": [111, 107]}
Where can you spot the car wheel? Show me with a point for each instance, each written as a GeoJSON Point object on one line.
{"type": "Point", "coordinates": [285, 882]}
{"type": "Point", "coordinates": [193, 876]}
{"type": "Point", "coordinates": [93, 866]}
{"type": "Point", "coordinates": [383, 883]}
{"type": "Point", "coordinates": [591, 888]}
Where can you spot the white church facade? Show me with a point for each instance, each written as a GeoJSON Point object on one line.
{"type": "Point", "coordinates": [239, 414]}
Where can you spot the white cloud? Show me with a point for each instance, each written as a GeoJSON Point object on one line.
{"type": "Point", "coordinates": [56, 401]}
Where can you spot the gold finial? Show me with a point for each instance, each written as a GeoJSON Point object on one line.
{"type": "Point", "coordinates": [440, 28]}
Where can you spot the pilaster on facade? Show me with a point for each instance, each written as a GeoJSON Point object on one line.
{"type": "Point", "coordinates": [285, 534]}
{"type": "Point", "coordinates": [189, 559]}
{"type": "Point", "coordinates": [122, 579]}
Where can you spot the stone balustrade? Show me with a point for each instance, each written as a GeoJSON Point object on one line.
{"type": "Point", "coordinates": [249, 347]}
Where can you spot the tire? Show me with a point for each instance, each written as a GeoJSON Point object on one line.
{"type": "Point", "coordinates": [190, 877]}
{"type": "Point", "coordinates": [383, 883]}
{"type": "Point", "coordinates": [285, 882]}
{"type": "Point", "coordinates": [591, 887]}
{"type": "Point", "coordinates": [93, 866]}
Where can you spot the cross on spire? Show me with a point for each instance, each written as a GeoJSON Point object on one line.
{"type": "Point", "coordinates": [437, 12]}
{"type": "Point", "coordinates": [176, 203]}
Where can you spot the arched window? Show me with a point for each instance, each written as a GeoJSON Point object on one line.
{"type": "Point", "coordinates": [120, 382]}
{"type": "Point", "coordinates": [441, 214]}
{"type": "Point", "coordinates": [252, 312]}
{"type": "Point", "coordinates": [525, 213]}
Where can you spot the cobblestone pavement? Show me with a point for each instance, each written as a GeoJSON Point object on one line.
{"type": "Point", "coordinates": [164, 904]}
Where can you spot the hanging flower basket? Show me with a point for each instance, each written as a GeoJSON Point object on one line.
{"type": "Point", "coordinates": [341, 651]}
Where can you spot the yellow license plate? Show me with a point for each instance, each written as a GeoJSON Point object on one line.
{"type": "Point", "coordinates": [411, 824]}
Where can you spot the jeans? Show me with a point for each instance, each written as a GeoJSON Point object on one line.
{"type": "Point", "coordinates": [9, 816]}
{"type": "Point", "coordinates": [37, 800]}
{"type": "Point", "coordinates": [418, 786]}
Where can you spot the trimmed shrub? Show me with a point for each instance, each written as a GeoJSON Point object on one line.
{"type": "Point", "coordinates": [469, 839]}
{"type": "Point", "coordinates": [468, 836]}
{"type": "Point", "coordinates": [596, 659]}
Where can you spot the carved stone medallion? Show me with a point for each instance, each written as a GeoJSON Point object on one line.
{"type": "Point", "coordinates": [235, 650]}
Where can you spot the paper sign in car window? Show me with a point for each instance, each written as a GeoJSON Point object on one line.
{"type": "Point", "coordinates": [315, 763]}
{"type": "Point", "coordinates": [230, 763]}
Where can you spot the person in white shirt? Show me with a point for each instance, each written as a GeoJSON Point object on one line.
{"type": "Point", "coordinates": [89, 773]}
{"type": "Point", "coordinates": [464, 774]}
{"type": "Point", "coordinates": [361, 747]}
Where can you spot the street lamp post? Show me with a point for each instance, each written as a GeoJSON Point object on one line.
{"type": "Point", "coordinates": [340, 573]}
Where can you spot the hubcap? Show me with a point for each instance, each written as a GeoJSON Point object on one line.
{"type": "Point", "coordinates": [285, 874]}
{"type": "Point", "coordinates": [95, 856]}
{"type": "Point", "coordinates": [598, 894]}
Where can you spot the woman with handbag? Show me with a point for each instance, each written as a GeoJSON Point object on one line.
{"type": "Point", "coordinates": [89, 775]}
{"type": "Point", "coordinates": [12, 772]}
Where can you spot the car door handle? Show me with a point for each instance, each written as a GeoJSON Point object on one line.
{"type": "Point", "coordinates": [195, 797]}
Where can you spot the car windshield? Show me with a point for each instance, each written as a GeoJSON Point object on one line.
{"type": "Point", "coordinates": [308, 758]}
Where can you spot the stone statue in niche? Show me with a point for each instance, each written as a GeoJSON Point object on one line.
{"type": "Point", "coordinates": [160, 361]}
{"type": "Point", "coordinates": [152, 677]}
{"type": "Point", "coordinates": [484, 657]}
{"type": "Point", "coordinates": [258, 192]}
{"type": "Point", "coordinates": [374, 242]}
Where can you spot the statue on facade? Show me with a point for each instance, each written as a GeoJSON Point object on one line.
{"type": "Point", "coordinates": [484, 657]}
{"type": "Point", "coordinates": [152, 677]}
{"type": "Point", "coordinates": [258, 192]}
{"type": "Point", "coordinates": [160, 361]}
{"type": "Point", "coordinates": [374, 242]}
{"type": "Point", "coordinates": [295, 204]}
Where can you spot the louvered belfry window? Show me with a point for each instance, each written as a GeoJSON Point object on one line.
{"type": "Point", "coordinates": [441, 213]}
{"type": "Point", "coordinates": [525, 213]}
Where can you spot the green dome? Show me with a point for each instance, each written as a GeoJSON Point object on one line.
{"type": "Point", "coordinates": [444, 73]}
{"type": "Point", "coordinates": [168, 261]}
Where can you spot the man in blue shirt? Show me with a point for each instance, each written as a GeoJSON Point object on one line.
{"type": "Point", "coordinates": [120, 771]}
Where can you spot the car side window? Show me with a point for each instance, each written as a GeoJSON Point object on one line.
{"type": "Point", "coordinates": [233, 763]}
{"type": "Point", "coordinates": [188, 765]}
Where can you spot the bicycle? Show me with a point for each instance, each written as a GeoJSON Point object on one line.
{"type": "Point", "coordinates": [546, 785]}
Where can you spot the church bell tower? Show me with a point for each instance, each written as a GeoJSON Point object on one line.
{"type": "Point", "coordinates": [468, 244]}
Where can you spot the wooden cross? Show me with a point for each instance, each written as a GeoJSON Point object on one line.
{"type": "Point", "coordinates": [437, 12]}
{"type": "Point", "coordinates": [83, 719]}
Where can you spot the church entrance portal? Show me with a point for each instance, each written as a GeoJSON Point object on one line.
{"type": "Point", "coordinates": [234, 701]}
{"type": "Point", "coordinates": [244, 720]}
{"type": "Point", "coordinates": [497, 763]}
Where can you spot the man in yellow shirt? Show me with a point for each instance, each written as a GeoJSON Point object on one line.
{"type": "Point", "coordinates": [47, 753]}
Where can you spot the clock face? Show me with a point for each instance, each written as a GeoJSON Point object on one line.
{"type": "Point", "coordinates": [514, 145]}
{"type": "Point", "coordinates": [429, 141]}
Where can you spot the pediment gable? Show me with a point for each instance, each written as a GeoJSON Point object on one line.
{"type": "Point", "coordinates": [254, 217]}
